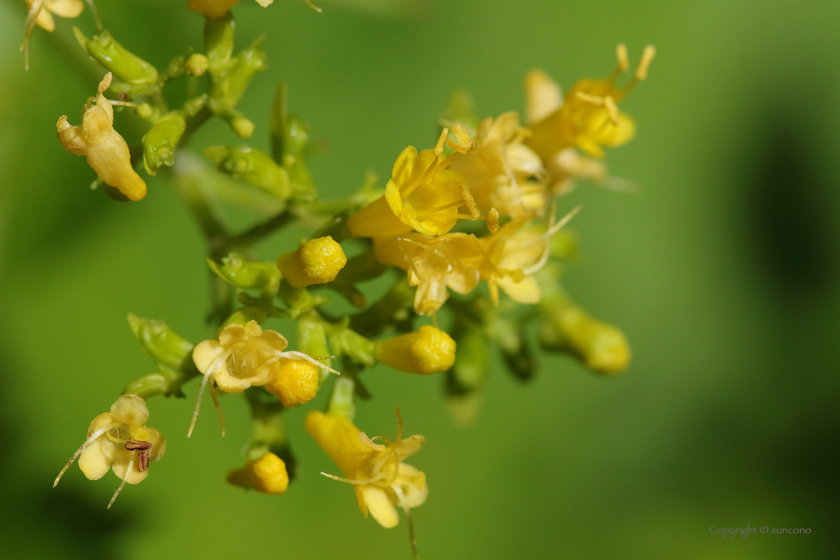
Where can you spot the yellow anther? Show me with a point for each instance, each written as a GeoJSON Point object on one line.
{"type": "Point", "coordinates": [621, 54]}
{"type": "Point", "coordinates": [647, 58]}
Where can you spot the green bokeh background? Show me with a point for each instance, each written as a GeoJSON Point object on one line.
{"type": "Point", "coordinates": [722, 271]}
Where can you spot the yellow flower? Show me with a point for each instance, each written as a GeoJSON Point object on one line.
{"type": "Point", "coordinates": [267, 474]}
{"type": "Point", "coordinates": [218, 8]}
{"type": "Point", "coordinates": [502, 172]}
{"type": "Point", "coordinates": [434, 264]}
{"type": "Point", "coordinates": [588, 117]}
{"type": "Point", "coordinates": [107, 152]}
{"type": "Point", "coordinates": [317, 261]}
{"type": "Point", "coordinates": [39, 13]}
{"type": "Point", "coordinates": [429, 350]}
{"type": "Point", "coordinates": [377, 472]}
{"type": "Point", "coordinates": [513, 255]}
{"type": "Point", "coordinates": [422, 195]}
{"type": "Point", "coordinates": [248, 356]}
{"type": "Point", "coordinates": [118, 440]}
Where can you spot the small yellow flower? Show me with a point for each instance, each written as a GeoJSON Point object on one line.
{"type": "Point", "coordinates": [513, 255]}
{"type": "Point", "coordinates": [502, 172]}
{"type": "Point", "coordinates": [434, 264]}
{"type": "Point", "coordinates": [267, 474]}
{"type": "Point", "coordinates": [588, 117]}
{"type": "Point", "coordinates": [248, 356]}
{"type": "Point", "coordinates": [377, 472]}
{"type": "Point", "coordinates": [218, 8]}
{"type": "Point", "coordinates": [107, 152]}
{"type": "Point", "coordinates": [118, 440]}
{"type": "Point", "coordinates": [428, 350]}
{"type": "Point", "coordinates": [317, 261]}
{"type": "Point", "coordinates": [422, 195]}
{"type": "Point", "coordinates": [39, 13]}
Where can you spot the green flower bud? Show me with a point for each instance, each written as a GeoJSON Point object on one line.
{"type": "Point", "coordinates": [247, 275]}
{"type": "Point", "coordinates": [245, 314]}
{"type": "Point", "coordinates": [312, 338]}
{"type": "Point", "coordinates": [252, 165]}
{"type": "Point", "coordinates": [347, 342]}
{"type": "Point", "coordinates": [124, 64]}
{"type": "Point", "coordinates": [228, 86]}
{"type": "Point", "coordinates": [471, 367]}
{"type": "Point", "coordinates": [160, 142]}
{"type": "Point", "coordinates": [218, 41]}
{"type": "Point", "coordinates": [196, 64]}
{"type": "Point", "coordinates": [567, 328]}
{"type": "Point", "coordinates": [162, 343]}
{"type": "Point", "coordinates": [241, 126]}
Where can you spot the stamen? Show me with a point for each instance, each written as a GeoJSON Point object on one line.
{"type": "Point", "coordinates": [123, 103]}
{"type": "Point", "coordinates": [647, 58]}
{"type": "Point", "coordinates": [439, 146]}
{"type": "Point", "coordinates": [612, 109]}
{"type": "Point", "coordinates": [117, 493]}
{"type": "Point", "coordinates": [29, 27]}
{"type": "Point", "coordinates": [462, 143]}
{"type": "Point", "coordinates": [95, 14]}
{"type": "Point", "coordinates": [467, 195]}
{"type": "Point", "coordinates": [105, 83]}
{"type": "Point", "coordinates": [377, 478]}
{"type": "Point", "coordinates": [313, 6]}
{"type": "Point", "coordinates": [621, 54]}
{"type": "Point", "coordinates": [198, 404]}
{"type": "Point", "coordinates": [493, 221]}
{"type": "Point", "coordinates": [218, 408]}
{"type": "Point", "coordinates": [399, 423]}
{"type": "Point", "coordinates": [302, 356]}
{"type": "Point", "coordinates": [411, 538]}
{"type": "Point", "coordinates": [93, 437]}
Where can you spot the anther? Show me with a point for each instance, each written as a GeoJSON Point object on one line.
{"type": "Point", "coordinates": [621, 54]}
{"type": "Point", "coordinates": [647, 57]}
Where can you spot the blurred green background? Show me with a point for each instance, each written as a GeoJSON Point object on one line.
{"type": "Point", "coordinates": [723, 272]}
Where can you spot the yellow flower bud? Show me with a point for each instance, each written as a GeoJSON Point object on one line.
{"type": "Point", "coordinates": [107, 152]}
{"type": "Point", "coordinates": [295, 382]}
{"type": "Point", "coordinates": [601, 347]}
{"type": "Point", "coordinates": [267, 474]}
{"type": "Point", "coordinates": [196, 64]}
{"type": "Point", "coordinates": [317, 261]}
{"type": "Point", "coordinates": [428, 350]}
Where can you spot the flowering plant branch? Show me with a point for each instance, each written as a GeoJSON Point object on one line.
{"type": "Point", "coordinates": [475, 214]}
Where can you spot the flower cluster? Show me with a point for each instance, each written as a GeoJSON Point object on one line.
{"type": "Point", "coordinates": [473, 216]}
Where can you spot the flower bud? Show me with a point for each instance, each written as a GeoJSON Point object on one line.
{"type": "Point", "coordinates": [428, 350]}
{"type": "Point", "coordinates": [296, 382]}
{"type": "Point", "coordinates": [247, 275]}
{"type": "Point", "coordinates": [161, 342]}
{"type": "Point", "coordinates": [160, 142]}
{"type": "Point", "coordinates": [196, 64]}
{"type": "Point", "coordinates": [317, 261]}
{"type": "Point", "coordinates": [124, 64]}
{"type": "Point", "coordinates": [601, 347]}
{"type": "Point", "coordinates": [253, 166]}
{"type": "Point", "coordinates": [219, 33]}
{"type": "Point", "coordinates": [267, 474]}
